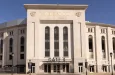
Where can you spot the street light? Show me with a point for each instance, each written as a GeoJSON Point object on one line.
{"type": "Point", "coordinates": [12, 62]}
{"type": "Point", "coordinates": [111, 63]}
{"type": "Point", "coordinates": [86, 63]}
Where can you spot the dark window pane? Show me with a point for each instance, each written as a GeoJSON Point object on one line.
{"type": "Point", "coordinates": [65, 37]}
{"type": "Point", "coordinates": [21, 56]}
{"type": "Point", "coordinates": [22, 40]}
{"type": "Point", "coordinates": [45, 67]}
{"type": "Point", "coordinates": [56, 41]}
{"type": "Point", "coordinates": [103, 43]}
{"type": "Point", "coordinates": [113, 43]}
{"type": "Point", "coordinates": [22, 49]}
{"type": "Point", "coordinates": [11, 41]}
{"type": "Point", "coordinates": [10, 49]}
{"type": "Point", "coordinates": [10, 57]}
{"type": "Point", "coordinates": [0, 57]}
{"type": "Point", "coordinates": [90, 43]}
{"type": "Point", "coordinates": [66, 53]}
{"type": "Point", "coordinates": [1, 46]}
{"type": "Point", "coordinates": [56, 33]}
{"type": "Point", "coordinates": [65, 45]}
{"type": "Point", "coordinates": [56, 53]}
{"type": "Point", "coordinates": [47, 33]}
{"type": "Point", "coordinates": [56, 37]}
{"type": "Point", "coordinates": [1, 43]}
{"type": "Point", "coordinates": [47, 30]}
{"type": "Point", "coordinates": [65, 33]}
{"type": "Point", "coordinates": [56, 45]}
{"type": "Point", "coordinates": [47, 41]}
{"type": "Point", "coordinates": [56, 30]}
{"type": "Point", "coordinates": [80, 64]}
{"type": "Point", "coordinates": [65, 30]}
{"type": "Point", "coordinates": [47, 45]}
{"type": "Point", "coordinates": [10, 45]}
{"type": "Point", "coordinates": [113, 51]}
{"type": "Point", "coordinates": [1, 51]}
{"type": "Point", "coordinates": [47, 53]}
{"type": "Point", "coordinates": [47, 37]}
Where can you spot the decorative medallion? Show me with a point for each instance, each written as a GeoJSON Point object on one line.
{"type": "Point", "coordinates": [32, 14]}
{"type": "Point", "coordinates": [78, 14]}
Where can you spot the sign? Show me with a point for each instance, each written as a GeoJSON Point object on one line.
{"type": "Point", "coordinates": [55, 14]}
{"type": "Point", "coordinates": [54, 59]}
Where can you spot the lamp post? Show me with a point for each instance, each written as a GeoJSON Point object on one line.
{"type": "Point", "coordinates": [86, 63]}
{"type": "Point", "coordinates": [111, 63]}
{"type": "Point", "coordinates": [12, 62]}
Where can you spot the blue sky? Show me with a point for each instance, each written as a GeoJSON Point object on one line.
{"type": "Point", "coordinates": [102, 11]}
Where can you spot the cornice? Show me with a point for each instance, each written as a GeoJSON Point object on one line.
{"type": "Point", "coordinates": [55, 6]}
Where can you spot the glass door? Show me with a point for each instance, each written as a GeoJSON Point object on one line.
{"type": "Point", "coordinates": [47, 68]}
{"type": "Point", "coordinates": [65, 68]}
{"type": "Point", "coordinates": [56, 68]}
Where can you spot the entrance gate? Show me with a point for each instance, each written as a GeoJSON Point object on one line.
{"type": "Point", "coordinates": [56, 67]}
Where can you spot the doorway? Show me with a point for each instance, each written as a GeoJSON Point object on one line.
{"type": "Point", "coordinates": [56, 68]}
{"type": "Point", "coordinates": [66, 68]}
{"type": "Point", "coordinates": [47, 68]}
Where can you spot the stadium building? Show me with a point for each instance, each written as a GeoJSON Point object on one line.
{"type": "Point", "coordinates": [55, 38]}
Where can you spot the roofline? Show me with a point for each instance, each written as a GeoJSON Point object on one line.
{"type": "Point", "coordinates": [55, 6]}
{"type": "Point", "coordinates": [24, 21]}
{"type": "Point", "coordinates": [100, 24]}
{"type": "Point", "coordinates": [13, 23]}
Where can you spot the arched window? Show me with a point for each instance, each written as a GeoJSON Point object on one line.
{"type": "Point", "coordinates": [11, 45]}
{"type": "Point", "coordinates": [47, 33]}
{"type": "Point", "coordinates": [56, 41]}
{"type": "Point", "coordinates": [22, 40]}
{"type": "Point", "coordinates": [113, 47]}
{"type": "Point", "coordinates": [103, 47]}
{"type": "Point", "coordinates": [103, 43]}
{"type": "Point", "coordinates": [1, 46]}
{"type": "Point", "coordinates": [47, 41]}
{"type": "Point", "coordinates": [56, 33]}
{"type": "Point", "coordinates": [113, 44]}
{"type": "Point", "coordinates": [65, 33]}
{"type": "Point", "coordinates": [90, 38]}
{"type": "Point", "coordinates": [65, 41]}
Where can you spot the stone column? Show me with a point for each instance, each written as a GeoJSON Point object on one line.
{"type": "Point", "coordinates": [95, 68]}
{"type": "Point", "coordinates": [65, 69]}
{"type": "Point", "coordinates": [4, 56]}
{"type": "Point", "coordinates": [61, 68]}
{"type": "Point", "coordinates": [52, 69]}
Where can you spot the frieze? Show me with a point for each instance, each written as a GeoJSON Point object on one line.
{"type": "Point", "coordinates": [55, 14]}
